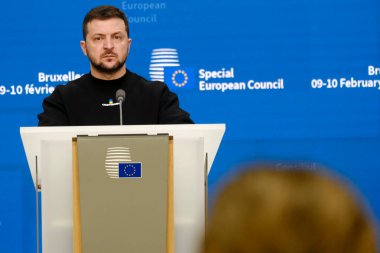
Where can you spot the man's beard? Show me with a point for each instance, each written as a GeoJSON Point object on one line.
{"type": "Point", "coordinates": [100, 67]}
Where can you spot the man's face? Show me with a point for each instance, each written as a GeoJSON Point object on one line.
{"type": "Point", "coordinates": [107, 45]}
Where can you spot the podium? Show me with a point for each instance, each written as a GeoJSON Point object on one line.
{"type": "Point", "coordinates": [49, 155]}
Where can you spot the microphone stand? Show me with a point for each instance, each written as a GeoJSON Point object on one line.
{"type": "Point", "coordinates": [121, 111]}
{"type": "Point", "coordinates": [120, 96]}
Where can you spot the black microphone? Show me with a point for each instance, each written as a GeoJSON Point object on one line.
{"type": "Point", "coordinates": [120, 97]}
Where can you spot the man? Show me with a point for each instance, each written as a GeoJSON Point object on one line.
{"type": "Point", "coordinates": [90, 100]}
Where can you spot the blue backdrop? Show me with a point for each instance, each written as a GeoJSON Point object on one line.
{"type": "Point", "coordinates": [295, 81]}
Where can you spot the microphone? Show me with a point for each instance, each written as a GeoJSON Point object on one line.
{"type": "Point", "coordinates": [120, 97]}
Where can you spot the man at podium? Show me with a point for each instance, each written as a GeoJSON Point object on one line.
{"type": "Point", "coordinates": [90, 99]}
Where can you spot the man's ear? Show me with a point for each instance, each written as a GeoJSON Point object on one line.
{"type": "Point", "coordinates": [129, 46]}
{"type": "Point", "coordinates": [83, 46]}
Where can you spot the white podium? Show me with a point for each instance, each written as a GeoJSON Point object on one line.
{"type": "Point", "coordinates": [49, 154]}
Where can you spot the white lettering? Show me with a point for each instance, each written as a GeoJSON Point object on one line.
{"type": "Point", "coordinates": [373, 71]}
{"type": "Point", "coordinates": [142, 6]}
{"type": "Point", "coordinates": [279, 84]}
{"type": "Point", "coordinates": [70, 76]}
{"type": "Point", "coordinates": [221, 74]}
{"type": "Point", "coordinates": [224, 86]}
{"type": "Point", "coordinates": [30, 89]}
{"type": "Point", "coordinates": [354, 83]}
{"type": "Point", "coordinates": [143, 19]}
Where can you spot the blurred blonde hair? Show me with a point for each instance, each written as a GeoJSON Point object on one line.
{"type": "Point", "coordinates": [268, 210]}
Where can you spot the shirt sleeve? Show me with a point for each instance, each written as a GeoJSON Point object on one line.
{"type": "Point", "coordinates": [170, 111]}
{"type": "Point", "coordinates": [54, 112]}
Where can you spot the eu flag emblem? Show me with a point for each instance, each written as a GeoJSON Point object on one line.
{"type": "Point", "coordinates": [178, 78]}
{"type": "Point", "coordinates": [130, 169]}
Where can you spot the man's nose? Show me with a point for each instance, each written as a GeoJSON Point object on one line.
{"type": "Point", "coordinates": [108, 43]}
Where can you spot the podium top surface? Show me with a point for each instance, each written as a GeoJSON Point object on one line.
{"type": "Point", "coordinates": [32, 137]}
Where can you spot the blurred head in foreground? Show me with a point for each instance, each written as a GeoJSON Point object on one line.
{"type": "Point", "coordinates": [271, 210]}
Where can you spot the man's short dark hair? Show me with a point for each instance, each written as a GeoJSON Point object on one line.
{"type": "Point", "coordinates": [104, 12]}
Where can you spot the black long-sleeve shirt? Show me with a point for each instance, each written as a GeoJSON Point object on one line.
{"type": "Point", "coordinates": [91, 101]}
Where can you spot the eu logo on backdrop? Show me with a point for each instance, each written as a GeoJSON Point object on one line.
{"type": "Point", "coordinates": [130, 170]}
{"type": "Point", "coordinates": [178, 78]}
